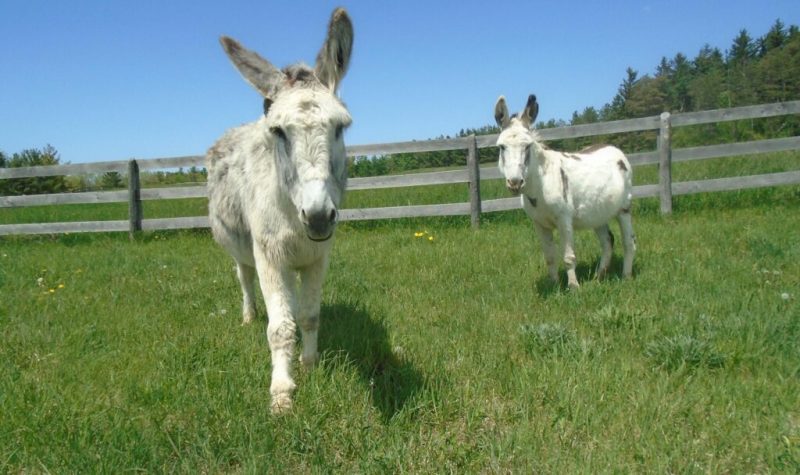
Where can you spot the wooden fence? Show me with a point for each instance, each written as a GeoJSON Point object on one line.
{"type": "Point", "coordinates": [664, 156]}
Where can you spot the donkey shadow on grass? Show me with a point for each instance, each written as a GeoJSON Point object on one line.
{"type": "Point", "coordinates": [392, 381]}
{"type": "Point", "coordinates": [586, 271]}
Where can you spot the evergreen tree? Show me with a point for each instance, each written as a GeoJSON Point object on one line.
{"type": "Point", "coordinates": [111, 181]}
{"type": "Point", "coordinates": [616, 109]}
{"type": "Point", "coordinates": [774, 39]}
{"type": "Point", "coordinates": [743, 49]}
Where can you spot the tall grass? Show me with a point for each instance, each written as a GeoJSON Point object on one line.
{"type": "Point", "coordinates": [446, 355]}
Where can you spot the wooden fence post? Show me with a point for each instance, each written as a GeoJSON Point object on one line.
{"type": "Point", "coordinates": [474, 182]}
{"type": "Point", "coordinates": [665, 163]}
{"type": "Point", "coordinates": [134, 198]}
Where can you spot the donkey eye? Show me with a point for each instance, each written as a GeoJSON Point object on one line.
{"type": "Point", "coordinates": [502, 148]}
{"type": "Point", "coordinates": [339, 131]}
{"type": "Point", "coordinates": [278, 132]}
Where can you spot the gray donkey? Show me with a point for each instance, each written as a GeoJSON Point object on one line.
{"type": "Point", "coordinates": [274, 187]}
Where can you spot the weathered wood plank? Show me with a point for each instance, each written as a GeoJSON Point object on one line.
{"type": "Point", "coordinates": [412, 179]}
{"type": "Point", "coordinates": [473, 167]}
{"type": "Point", "coordinates": [736, 113]}
{"type": "Point", "coordinates": [645, 158]}
{"type": "Point", "coordinates": [120, 166]}
{"type": "Point", "coordinates": [501, 204]}
{"type": "Point", "coordinates": [420, 179]}
{"type": "Point", "coordinates": [646, 191]}
{"type": "Point", "coordinates": [63, 198]}
{"type": "Point", "coordinates": [69, 227]}
{"type": "Point", "coordinates": [718, 151]}
{"type": "Point", "coordinates": [736, 149]}
{"type": "Point", "coordinates": [665, 163]}
{"type": "Point", "coordinates": [414, 146]}
{"type": "Point", "coordinates": [177, 192]}
{"type": "Point", "coordinates": [135, 211]}
{"type": "Point", "coordinates": [736, 183]}
{"type": "Point", "coordinates": [187, 161]}
{"type": "Point", "coordinates": [189, 222]}
{"type": "Point", "coordinates": [392, 212]}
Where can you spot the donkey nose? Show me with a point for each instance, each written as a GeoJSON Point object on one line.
{"type": "Point", "coordinates": [515, 184]}
{"type": "Point", "coordinates": [320, 217]}
{"type": "Point", "coordinates": [319, 223]}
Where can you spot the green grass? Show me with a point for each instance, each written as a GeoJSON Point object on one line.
{"type": "Point", "coordinates": [451, 355]}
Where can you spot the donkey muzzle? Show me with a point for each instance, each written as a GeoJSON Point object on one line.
{"type": "Point", "coordinates": [319, 224]}
{"type": "Point", "coordinates": [515, 185]}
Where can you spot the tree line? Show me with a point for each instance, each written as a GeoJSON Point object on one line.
{"type": "Point", "coordinates": [751, 71]}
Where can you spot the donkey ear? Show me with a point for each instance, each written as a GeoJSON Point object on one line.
{"type": "Point", "coordinates": [334, 57]}
{"type": "Point", "coordinates": [531, 111]}
{"type": "Point", "coordinates": [259, 72]}
{"type": "Point", "coordinates": [501, 113]}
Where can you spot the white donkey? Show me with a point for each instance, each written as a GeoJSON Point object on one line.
{"type": "Point", "coordinates": [274, 186]}
{"type": "Point", "coordinates": [566, 191]}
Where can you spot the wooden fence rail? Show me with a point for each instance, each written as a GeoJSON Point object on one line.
{"type": "Point", "coordinates": [664, 156]}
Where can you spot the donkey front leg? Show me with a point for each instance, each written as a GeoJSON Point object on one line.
{"type": "Point", "coordinates": [549, 250]}
{"type": "Point", "coordinates": [311, 279]}
{"type": "Point", "coordinates": [567, 250]}
{"type": "Point", "coordinates": [278, 287]}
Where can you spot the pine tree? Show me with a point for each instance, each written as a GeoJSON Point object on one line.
{"type": "Point", "coordinates": [774, 39]}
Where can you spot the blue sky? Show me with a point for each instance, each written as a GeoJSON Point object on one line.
{"type": "Point", "coordinates": [112, 80]}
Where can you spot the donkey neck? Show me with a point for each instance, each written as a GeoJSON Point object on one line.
{"type": "Point", "coordinates": [542, 158]}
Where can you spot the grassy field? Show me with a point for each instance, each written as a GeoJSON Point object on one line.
{"type": "Point", "coordinates": [438, 356]}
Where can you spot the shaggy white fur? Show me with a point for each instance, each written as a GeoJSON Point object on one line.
{"type": "Point", "coordinates": [566, 191]}
{"type": "Point", "coordinates": [274, 187]}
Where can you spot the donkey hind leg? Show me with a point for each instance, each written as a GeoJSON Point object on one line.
{"type": "Point", "coordinates": [607, 245]}
{"type": "Point", "coordinates": [568, 251]}
{"type": "Point", "coordinates": [278, 287]}
{"type": "Point", "coordinates": [549, 250]}
{"type": "Point", "coordinates": [247, 276]}
{"type": "Point", "coordinates": [311, 279]}
{"type": "Point", "coordinates": [628, 241]}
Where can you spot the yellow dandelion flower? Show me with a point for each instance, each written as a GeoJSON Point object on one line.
{"type": "Point", "coordinates": [419, 234]}
{"type": "Point", "coordinates": [60, 286]}
{"type": "Point", "coordinates": [52, 291]}
{"type": "Point", "coordinates": [430, 238]}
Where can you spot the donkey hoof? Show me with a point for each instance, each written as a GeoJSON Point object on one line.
{"type": "Point", "coordinates": [309, 362]}
{"type": "Point", "coordinates": [281, 403]}
{"type": "Point", "coordinates": [574, 285]}
{"type": "Point", "coordinates": [247, 318]}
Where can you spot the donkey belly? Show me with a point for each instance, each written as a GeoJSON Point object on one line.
{"type": "Point", "coordinates": [597, 196]}
{"type": "Point", "coordinates": [597, 210]}
{"type": "Point", "coordinates": [230, 229]}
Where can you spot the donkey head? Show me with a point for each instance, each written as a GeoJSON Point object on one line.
{"type": "Point", "coordinates": [515, 141]}
{"type": "Point", "coordinates": [304, 123]}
